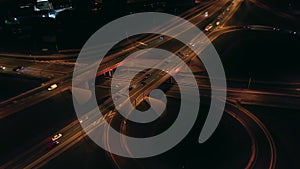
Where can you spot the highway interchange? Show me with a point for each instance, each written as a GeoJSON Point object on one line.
{"type": "Point", "coordinates": [59, 71]}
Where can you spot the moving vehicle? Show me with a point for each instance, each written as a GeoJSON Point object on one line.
{"type": "Point", "coordinates": [84, 118]}
{"type": "Point", "coordinates": [132, 87]}
{"type": "Point", "coordinates": [206, 14]}
{"type": "Point", "coordinates": [147, 76]}
{"type": "Point", "coordinates": [52, 87]}
{"type": "Point", "coordinates": [54, 141]}
{"type": "Point", "coordinates": [208, 27]}
{"type": "Point", "coordinates": [116, 98]}
{"type": "Point", "coordinates": [16, 69]}
{"type": "Point", "coordinates": [2, 67]}
{"type": "Point", "coordinates": [56, 137]}
{"type": "Point", "coordinates": [118, 85]}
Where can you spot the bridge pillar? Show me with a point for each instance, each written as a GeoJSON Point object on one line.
{"type": "Point", "coordinates": [110, 73]}
{"type": "Point", "coordinates": [171, 81]}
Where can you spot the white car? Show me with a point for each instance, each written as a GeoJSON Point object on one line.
{"type": "Point", "coordinates": [52, 87]}
{"type": "Point", "coordinates": [208, 27]}
{"type": "Point", "coordinates": [56, 137]}
{"type": "Point", "coordinates": [206, 14]}
{"type": "Point", "coordinates": [84, 118]}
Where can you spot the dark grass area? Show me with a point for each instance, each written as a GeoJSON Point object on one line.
{"type": "Point", "coordinates": [274, 13]}
{"type": "Point", "coordinates": [85, 154]}
{"type": "Point", "coordinates": [284, 127]}
{"type": "Point", "coordinates": [32, 125]}
{"type": "Point", "coordinates": [261, 55]}
{"type": "Point", "coordinates": [12, 85]}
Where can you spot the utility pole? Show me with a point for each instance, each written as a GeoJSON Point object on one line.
{"type": "Point", "coordinates": [249, 82]}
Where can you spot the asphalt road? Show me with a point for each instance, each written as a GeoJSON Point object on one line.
{"type": "Point", "coordinates": [258, 133]}
{"type": "Point", "coordinates": [60, 146]}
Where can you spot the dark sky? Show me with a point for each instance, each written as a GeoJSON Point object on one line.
{"type": "Point", "coordinates": [5, 4]}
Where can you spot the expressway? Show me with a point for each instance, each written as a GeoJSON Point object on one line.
{"type": "Point", "coordinates": [39, 94]}
{"type": "Point", "coordinates": [158, 79]}
{"type": "Point", "coordinates": [73, 132]}
{"type": "Point", "coordinates": [161, 77]}
{"type": "Point", "coordinates": [266, 94]}
{"type": "Point", "coordinates": [36, 68]}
